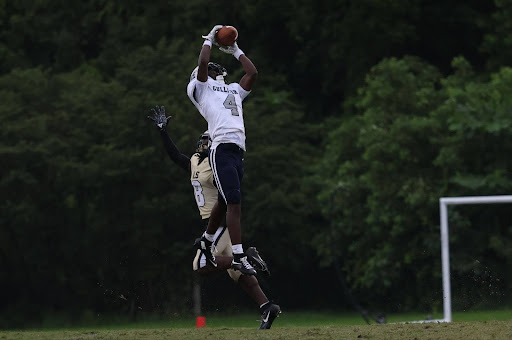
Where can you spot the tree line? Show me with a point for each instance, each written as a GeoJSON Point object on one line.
{"type": "Point", "coordinates": [364, 114]}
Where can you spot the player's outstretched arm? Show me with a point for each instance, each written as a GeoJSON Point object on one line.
{"type": "Point", "coordinates": [160, 120]}
{"type": "Point", "coordinates": [251, 73]}
{"type": "Point", "coordinates": [204, 56]}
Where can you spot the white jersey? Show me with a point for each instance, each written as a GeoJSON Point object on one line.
{"type": "Point", "coordinates": [221, 106]}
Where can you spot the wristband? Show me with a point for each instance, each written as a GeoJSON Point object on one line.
{"type": "Point", "coordinates": [208, 42]}
{"type": "Point", "coordinates": [238, 53]}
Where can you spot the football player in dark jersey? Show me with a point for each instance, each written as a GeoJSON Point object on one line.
{"type": "Point", "coordinates": [205, 192]}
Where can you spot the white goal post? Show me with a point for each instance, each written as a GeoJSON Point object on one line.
{"type": "Point", "coordinates": [445, 249]}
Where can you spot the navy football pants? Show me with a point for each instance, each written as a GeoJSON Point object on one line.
{"type": "Point", "coordinates": [227, 162]}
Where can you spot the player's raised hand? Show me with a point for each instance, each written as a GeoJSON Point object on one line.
{"type": "Point", "coordinates": [229, 49]}
{"type": "Point", "coordinates": [158, 117]}
{"type": "Point", "coordinates": [211, 36]}
{"type": "Point", "coordinates": [233, 49]}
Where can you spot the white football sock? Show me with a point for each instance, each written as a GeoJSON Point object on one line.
{"type": "Point", "coordinates": [237, 249]}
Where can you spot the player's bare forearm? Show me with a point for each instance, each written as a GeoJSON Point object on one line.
{"type": "Point", "coordinates": [204, 58]}
{"type": "Point", "coordinates": [251, 73]}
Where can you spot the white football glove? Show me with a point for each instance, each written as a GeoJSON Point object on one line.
{"type": "Point", "coordinates": [211, 36]}
{"type": "Point", "coordinates": [233, 49]}
{"type": "Point", "coordinates": [229, 49]}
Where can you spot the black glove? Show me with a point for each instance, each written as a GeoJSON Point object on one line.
{"type": "Point", "coordinates": [159, 117]}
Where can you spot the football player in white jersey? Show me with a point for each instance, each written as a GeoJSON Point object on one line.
{"type": "Point", "coordinates": [205, 192]}
{"type": "Point", "coordinates": [221, 106]}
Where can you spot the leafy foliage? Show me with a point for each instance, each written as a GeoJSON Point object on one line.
{"type": "Point", "coordinates": [355, 128]}
{"type": "Point", "coordinates": [419, 136]}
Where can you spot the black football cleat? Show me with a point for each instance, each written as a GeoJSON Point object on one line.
{"type": "Point", "coordinates": [254, 258]}
{"type": "Point", "coordinates": [206, 246]}
{"type": "Point", "coordinates": [269, 313]}
{"type": "Point", "coordinates": [241, 263]}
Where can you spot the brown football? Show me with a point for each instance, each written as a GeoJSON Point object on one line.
{"type": "Point", "coordinates": [226, 35]}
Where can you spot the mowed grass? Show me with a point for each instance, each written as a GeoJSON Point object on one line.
{"type": "Point", "coordinates": [496, 325]}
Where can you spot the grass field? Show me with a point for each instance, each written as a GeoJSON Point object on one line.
{"type": "Point", "coordinates": [496, 325]}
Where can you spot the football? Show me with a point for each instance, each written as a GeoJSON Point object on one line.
{"type": "Point", "coordinates": [226, 36]}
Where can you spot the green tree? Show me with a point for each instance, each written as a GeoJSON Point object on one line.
{"type": "Point", "coordinates": [383, 168]}
{"type": "Point", "coordinates": [418, 137]}
{"type": "Point", "coordinates": [496, 43]}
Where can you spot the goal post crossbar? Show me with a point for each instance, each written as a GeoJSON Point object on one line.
{"type": "Point", "coordinates": [445, 249]}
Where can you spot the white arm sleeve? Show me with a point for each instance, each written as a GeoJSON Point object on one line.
{"type": "Point", "coordinates": [195, 92]}
{"type": "Point", "coordinates": [243, 93]}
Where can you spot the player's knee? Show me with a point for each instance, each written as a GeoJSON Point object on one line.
{"type": "Point", "coordinates": [234, 197]}
{"type": "Point", "coordinates": [234, 274]}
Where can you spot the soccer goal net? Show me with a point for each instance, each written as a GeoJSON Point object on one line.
{"type": "Point", "coordinates": [444, 202]}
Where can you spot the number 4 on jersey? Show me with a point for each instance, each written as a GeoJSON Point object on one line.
{"type": "Point", "coordinates": [230, 104]}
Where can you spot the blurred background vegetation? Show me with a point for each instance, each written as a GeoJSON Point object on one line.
{"type": "Point", "coordinates": [364, 114]}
